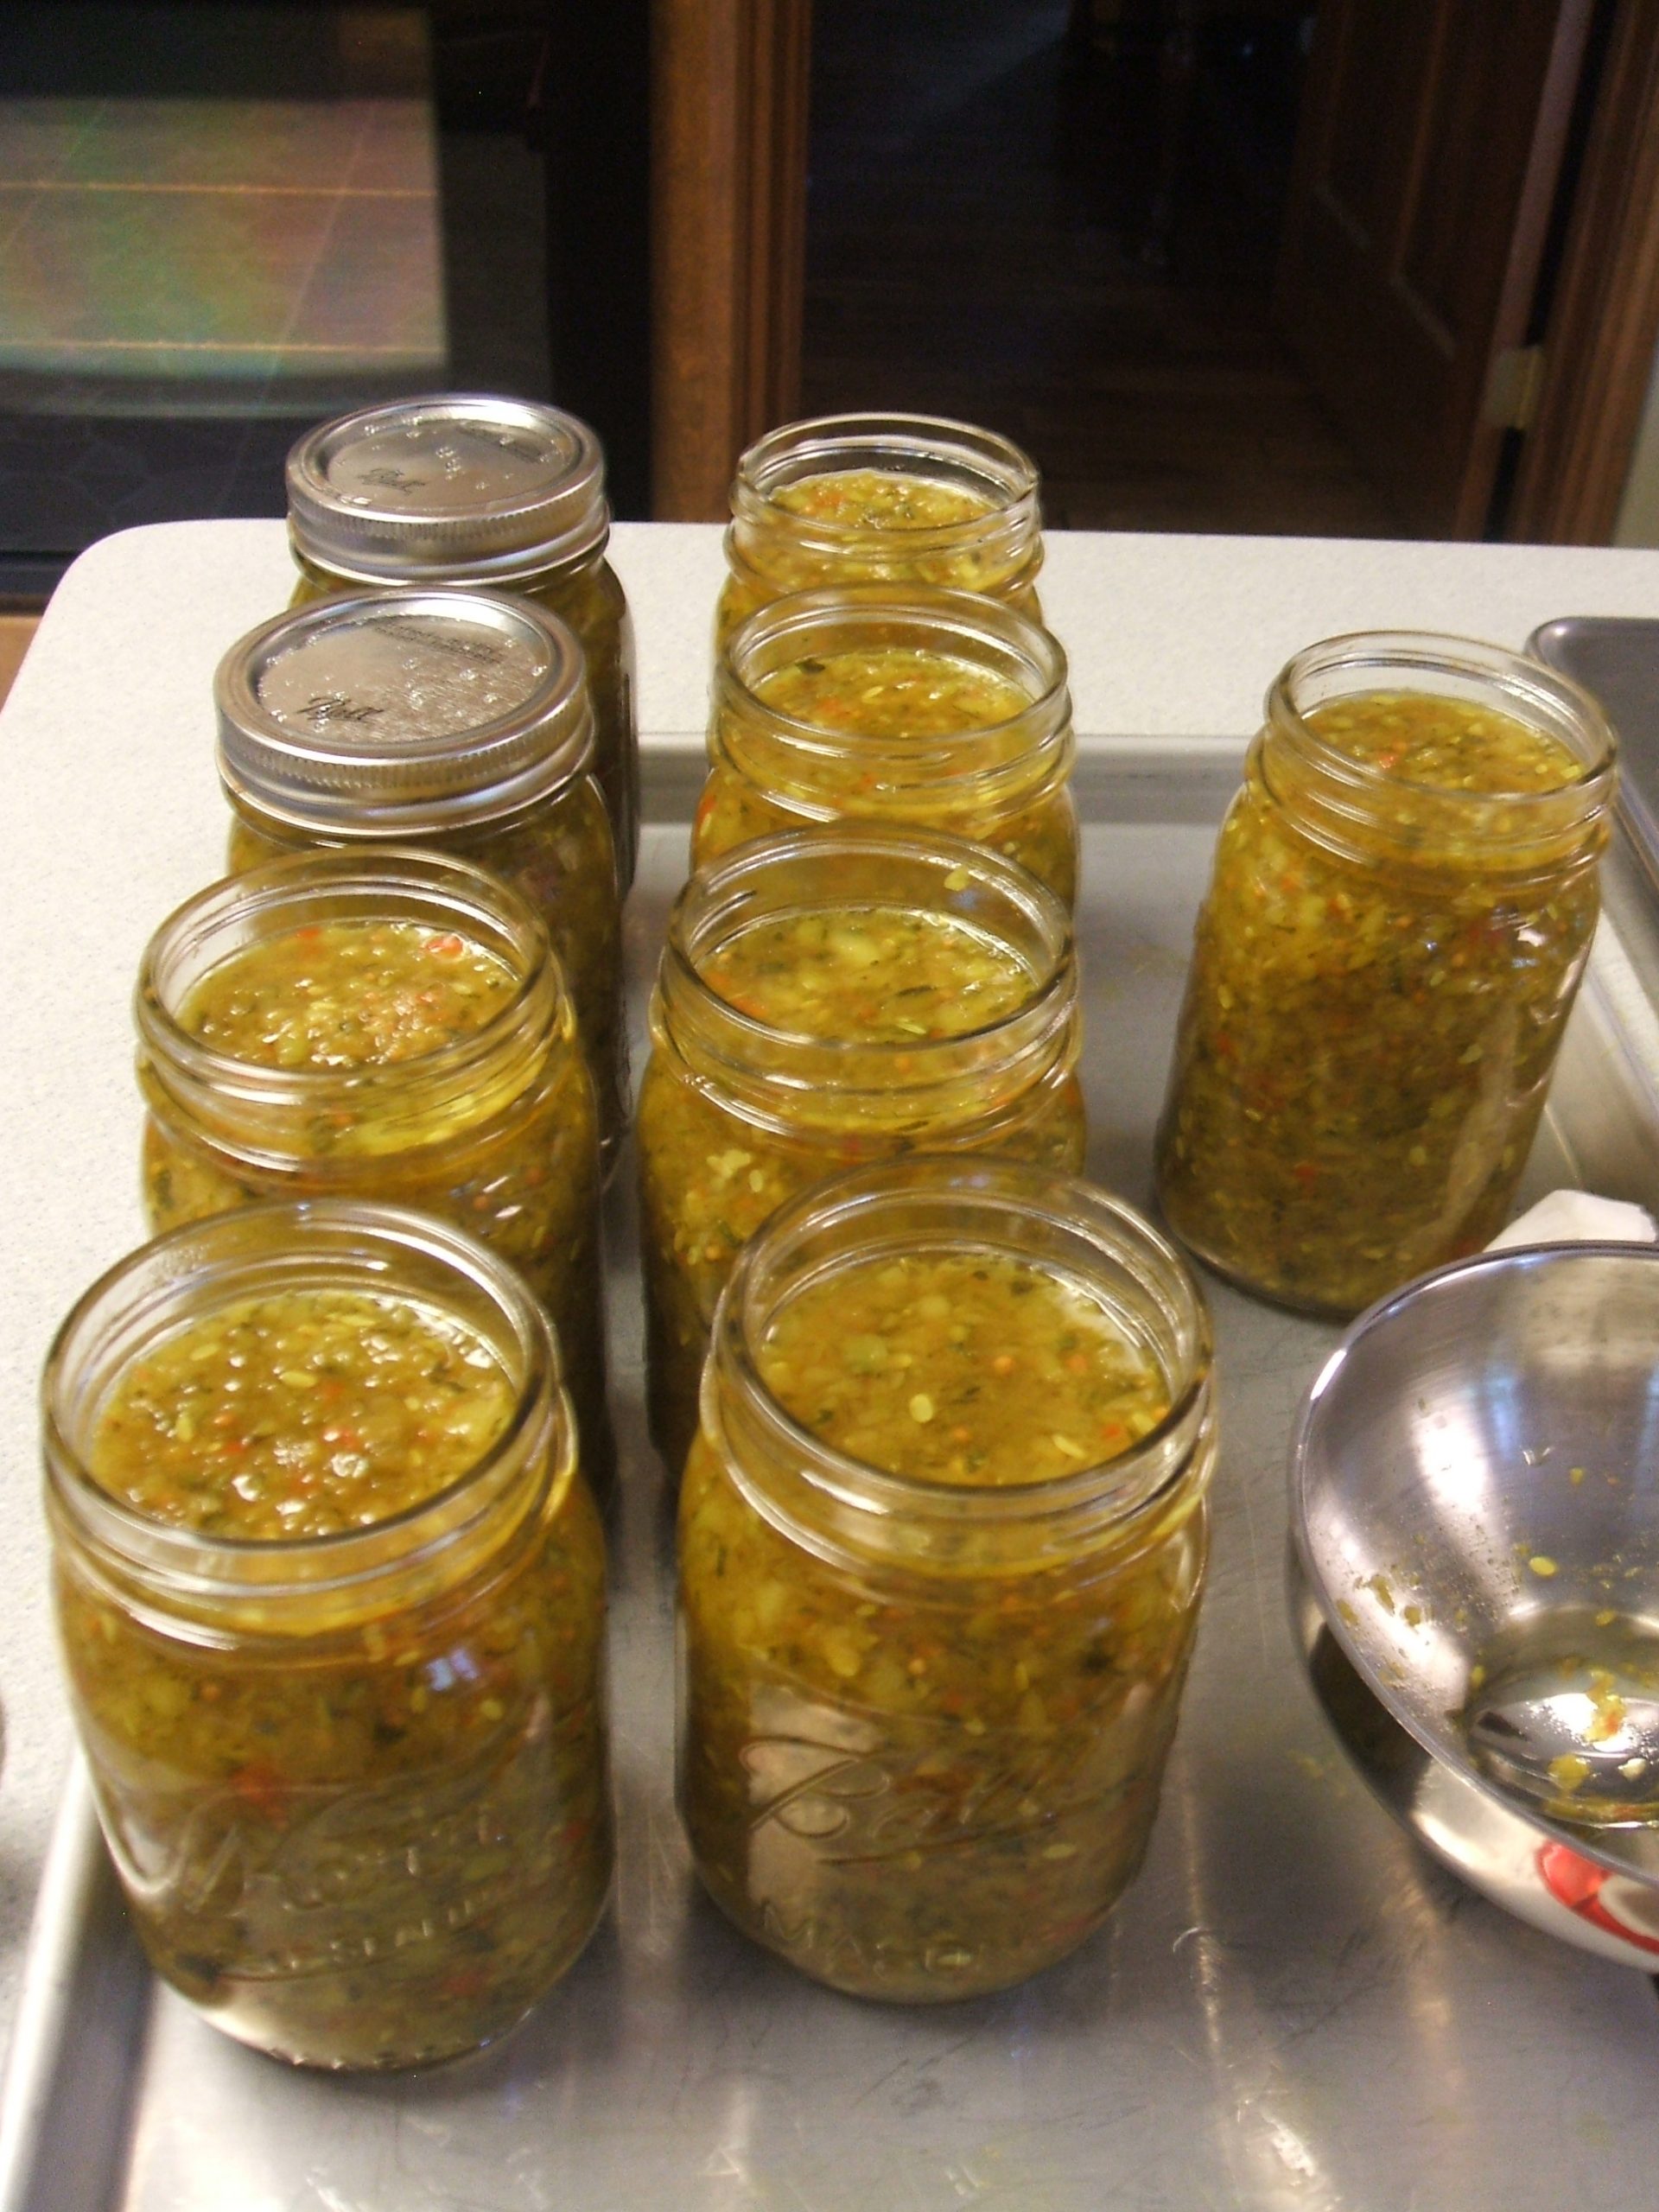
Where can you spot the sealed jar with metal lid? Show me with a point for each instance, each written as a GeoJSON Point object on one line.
{"type": "Point", "coordinates": [388, 1025]}
{"type": "Point", "coordinates": [826, 997]}
{"type": "Point", "coordinates": [1404, 894]}
{"type": "Point", "coordinates": [331, 1594]}
{"type": "Point", "coordinates": [442, 718]}
{"type": "Point", "coordinates": [941, 1543]}
{"type": "Point", "coordinates": [899, 499]}
{"type": "Point", "coordinates": [506, 494]}
{"type": "Point", "coordinates": [935, 708]}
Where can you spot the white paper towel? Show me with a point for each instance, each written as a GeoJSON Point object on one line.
{"type": "Point", "coordinates": [1578, 1217]}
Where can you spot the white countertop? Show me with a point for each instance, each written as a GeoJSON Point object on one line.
{"type": "Point", "coordinates": [107, 742]}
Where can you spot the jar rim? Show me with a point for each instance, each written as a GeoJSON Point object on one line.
{"type": "Point", "coordinates": [369, 882]}
{"type": "Point", "coordinates": [904, 444]}
{"type": "Point", "coordinates": [1002, 765]}
{"type": "Point", "coordinates": [1102, 1503]}
{"type": "Point", "coordinates": [916, 614]}
{"type": "Point", "coordinates": [1359, 810]}
{"type": "Point", "coordinates": [352, 1244]}
{"type": "Point", "coordinates": [1445, 654]}
{"type": "Point", "coordinates": [758, 881]}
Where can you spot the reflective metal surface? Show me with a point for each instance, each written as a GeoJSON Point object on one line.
{"type": "Point", "coordinates": [1292, 2007]}
{"type": "Point", "coordinates": [1576, 1715]}
{"type": "Point", "coordinates": [405, 713]}
{"type": "Point", "coordinates": [1617, 659]}
{"type": "Point", "coordinates": [1475, 1498]}
{"type": "Point", "coordinates": [1508, 1857]}
{"type": "Point", "coordinates": [454, 483]}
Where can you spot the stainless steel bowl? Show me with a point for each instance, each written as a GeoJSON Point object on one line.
{"type": "Point", "coordinates": [1474, 1506]}
{"type": "Point", "coordinates": [1515, 1861]}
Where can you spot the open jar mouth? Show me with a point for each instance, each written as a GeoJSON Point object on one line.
{"type": "Point", "coordinates": [1344, 796]}
{"type": "Point", "coordinates": [988, 768]}
{"type": "Point", "coordinates": [933, 448]}
{"type": "Point", "coordinates": [208, 1266]}
{"type": "Point", "coordinates": [390, 884]}
{"type": "Point", "coordinates": [836, 1504]}
{"type": "Point", "coordinates": [837, 869]}
{"type": "Point", "coordinates": [779, 751]}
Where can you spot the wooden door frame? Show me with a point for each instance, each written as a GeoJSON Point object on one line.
{"type": "Point", "coordinates": [729, 105]}
{"type": "Point", "coordinates": [1602, 325]}
{"type": "Point", "coordinates": [729, 89]}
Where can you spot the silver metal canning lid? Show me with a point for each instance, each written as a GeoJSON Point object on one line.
{"type": "Point", "coordinates": [391, 713]}
{"type": "Point", "coordinates": [458, 485]}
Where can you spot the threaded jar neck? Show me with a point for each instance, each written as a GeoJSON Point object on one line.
{"type": "Point", "coordinates": [997, 548]}
{"type": "Point", "coordinates": [335, 1118]}
{"type": "Point", "coordinates": [847, 1512]}
{"type": "Point", "coordinates": [213, 1588]}
{"type": "Point", "coordinates": [1362, 811]}
{"type": "Point", "coordinates": [809, 1086]}
{"type": "Point", "coordinates": [985, 773]}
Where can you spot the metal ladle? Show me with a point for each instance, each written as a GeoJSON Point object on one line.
{"type": "Point", "coordinates": [1578, 1737]}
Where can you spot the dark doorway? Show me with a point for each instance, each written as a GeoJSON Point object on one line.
{"type": "Point", "coordinates": [1047, 219]}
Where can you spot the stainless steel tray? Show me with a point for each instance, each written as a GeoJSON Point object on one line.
{"type": "Point", "coordinates": [1616, 656]}
{"type": "Point", "coordinates": [1292, 2007]}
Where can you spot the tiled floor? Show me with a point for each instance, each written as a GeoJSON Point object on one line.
{"type": "Point", "coordinates": [979, 245]}
{"type": "Point", "coordinates": [167, 247]}
{"type": "Point", "coordinates": [198, 248]}
{"type": "Point", "coordinates": [218, 222]}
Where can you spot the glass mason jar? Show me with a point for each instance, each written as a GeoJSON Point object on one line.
{"type": "Point", "coordinates": [739, 1109]}
{"type": "Point", "coordinates": [882, 499]}
{"type": "Point", "coordinates": [922, 1722]}
{"type": "Point", "coordinates": [784, 750]}
{"type": "Point", "coordinates": [493, 1129]}
{"type": "Point", "coordinates": [1383, 965]}
{"type": "Point", "coordinates": [504, 494]}
{"type": "Point", "coordinates": [354, 1784]}
{"type": "Point", "coordinates": [447, 719]}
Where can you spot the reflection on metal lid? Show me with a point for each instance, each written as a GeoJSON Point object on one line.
{"type": "Point", "coordinates": [393, 712]}
{"type": "Point", "coordinates": [447, 487]}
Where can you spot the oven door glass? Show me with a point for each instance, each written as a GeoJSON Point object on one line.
{"type": "Point", "coordinates": [221, 223]}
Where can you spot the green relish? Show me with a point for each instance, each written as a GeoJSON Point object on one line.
{"type": "Point", "coordinates": [348, 993]}
{"type": "Point", "coordinates": [301, 1413]}
{"type": "Point", "coordinates": [962, 1367]}
{"type": "Point", "coordinates": [882, 974]}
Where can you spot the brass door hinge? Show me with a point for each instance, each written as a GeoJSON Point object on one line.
{"type": "Point", "coordinates": [1512, 387]}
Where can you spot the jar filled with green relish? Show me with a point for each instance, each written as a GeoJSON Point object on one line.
{"type": "Point", "coordinates": [827, 997]}
{"type": "Point", "coordinates": [390, 1025]}
{"type": "Point", "coordinates": [1404, 894]}
{"type": "Point", "coordinates": [942, 1540]}
{"type": "Point", "coordinates": [330, 1588]}
{"type": "Point", "coordinates": [899, 499]}
{"type": "Point", "coordinates": [934, 708]}
{"type": "Point", "coordinates": [447, 719]}
{"type": "Point", "coordinates": [506, 495]}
